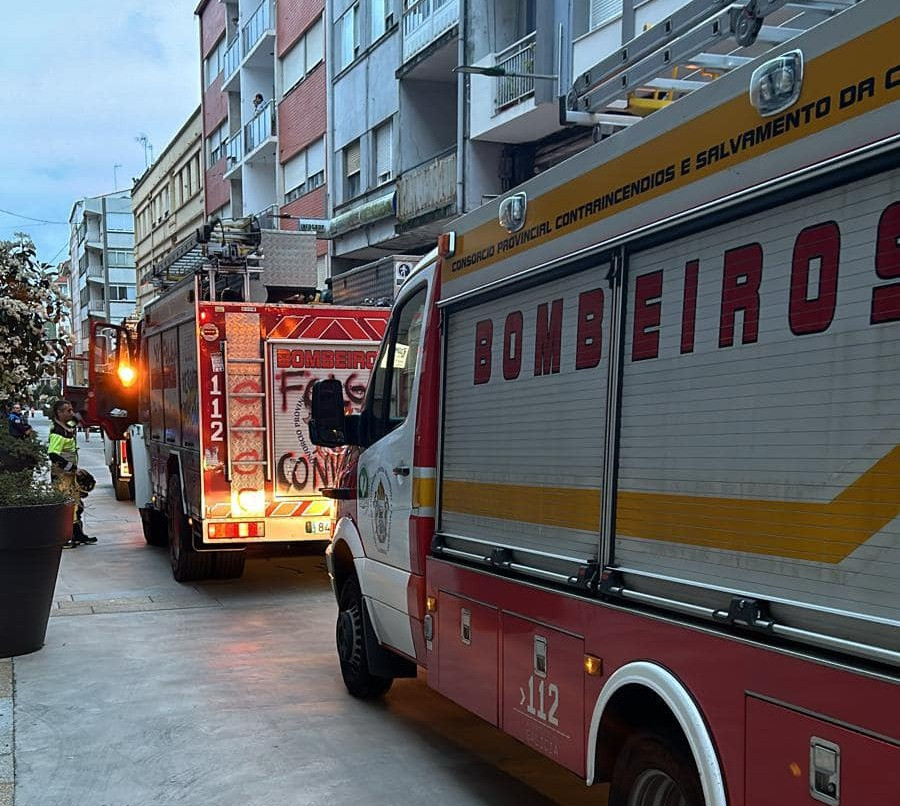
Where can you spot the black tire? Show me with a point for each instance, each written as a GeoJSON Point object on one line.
{"type": "Point", "coordinates": [228, 564]}
{"type": "Point", "coordinates": [122, 489]}
{"type": "Point", "coordinates": [351, 646]}
{"type": "Point", "coordinates": [654, 770]}
{"type": "Point", "coordinates": [156, 530]}
{"type": "Point", "coordinates": [187, 565]}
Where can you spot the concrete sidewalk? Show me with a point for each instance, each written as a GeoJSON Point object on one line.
{"type": "Point", "coordinates": [228, 694]}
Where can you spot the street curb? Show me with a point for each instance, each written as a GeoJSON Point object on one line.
{"type": "Point", "coordinates": [7, 746]}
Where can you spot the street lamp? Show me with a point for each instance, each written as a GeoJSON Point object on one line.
{"type": "Point", "coordinates": [500, 72]}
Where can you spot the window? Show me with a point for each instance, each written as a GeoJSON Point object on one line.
{"type": "Point", "coordinates": [304, 56]}
{"type": "Point", "coordinates": [305, 171]}
{"type": "Point", "coordinates": [195, 176]}
{"type": "Point", "coordinates": [123, 222]}
{"type": "Point", "coordinates": [121, 293]}
{"type": "Point", "coordinates": [347, 35]}
{"type": "Point", "coordinates": [352, 170]}
{"type": "Point", "coordinates": [382, 17]}
{"type": "Point", "coordinates": [602, 11]}
{"type": "Point", "coordinates": [215, 62]}
{"type": "Point", "coordinates": [393, 379]}
{"type": "Point", "coordinates": [120, 258]}
{"type": "Point", "coordinates": [215, 144]}
{"type": "Point", "coordinates": [384, 153]}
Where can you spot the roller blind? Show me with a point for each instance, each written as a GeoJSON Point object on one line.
{"type": "Point", "coordinates": [603, 11]}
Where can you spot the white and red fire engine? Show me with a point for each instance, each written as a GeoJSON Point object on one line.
{"type": "Point", "coordinates": [628, 471]}
{"type": "Point", "coordinates": [216, 390]}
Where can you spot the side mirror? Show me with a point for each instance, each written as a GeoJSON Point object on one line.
{"type": "Point", "coordinates": [328, 426]}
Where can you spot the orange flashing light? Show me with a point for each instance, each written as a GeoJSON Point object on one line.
{"type": "Point", "coordinates": [447, 244]}
{"type": "Point", "coordinates": [127, 375]}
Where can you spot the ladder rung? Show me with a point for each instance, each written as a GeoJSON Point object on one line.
{"type": "Point", "coordinates": [247, 428]}
{"type": "Point", "coordinates": [776, 35]}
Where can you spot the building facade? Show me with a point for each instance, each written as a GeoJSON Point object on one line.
{"type": "Point", "coordinates": [263, 111]}
{"type": "Point", "coordinates": [168, 204]}
{"type": "Point", "coordinates": [102, 280]}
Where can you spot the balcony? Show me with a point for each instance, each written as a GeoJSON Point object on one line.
{"type": "Point", "coordinates": [96, 307]}
{"type": "Point", "coordinates": [260, 130]}
{"type": "Point", "coordinates": [522, 110]}
{"type": "Point", "coordinates": [231, 78]}
{"type": "Point", "coordinates": [424, 21]}
{"type": "Point", "coordinates": [518, 58]}
{"type": "Point", "coordinates": [234, 153]}
{"type": "Point", "coordinates": [258, 28]}
{"type": "Point", "coordinates": [427, 193]}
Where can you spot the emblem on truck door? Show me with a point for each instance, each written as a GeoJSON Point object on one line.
{"type": "Point", "coordinates": [381, 511]}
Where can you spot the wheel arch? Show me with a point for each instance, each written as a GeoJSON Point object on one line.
{"type": "Point", "coordinates": [345, 550]}
{"type": "Point", "coordinates": [646, 695]}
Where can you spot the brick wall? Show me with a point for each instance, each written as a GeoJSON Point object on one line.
{"type": "Point", "coordinates": [215, 107]}
{"type": "Point", "coordinates": [217, 189]}
{"type": "Point", "coordinates": [212, 25]}
{"type": "Point", "coordinates": [301, 115]}
{"type": "Point", "coordinates": [312, 205]}
{"type": "Point", "coordinates": [293, 18]}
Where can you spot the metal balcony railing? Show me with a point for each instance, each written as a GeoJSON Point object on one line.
{"type": "Point", "coordinates": [232, 57]}
{"type": "Point", "coordinates": [424, 21]}
{"type": "Point", "coordinates": [517, 58]}
{"type": "Point", "coordinates": [261, 127]}
{"type": "Point", "coordinates": [262, 20]}
{"type": "Point", "coordinates": [427, 188]}
{"type": "Point", "coordinates": [233, 150]}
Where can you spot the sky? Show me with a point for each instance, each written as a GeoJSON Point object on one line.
{"type": "Point", "coordinates": [81, 81]}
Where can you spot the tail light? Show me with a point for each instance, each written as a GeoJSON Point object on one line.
{"type": "Point", "coordinates": [236, 529]}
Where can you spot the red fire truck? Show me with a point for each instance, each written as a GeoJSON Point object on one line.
{"type": "Point", "coordinates": [213, 394]}
{"type": "Point", "coordinates": [628, 470]}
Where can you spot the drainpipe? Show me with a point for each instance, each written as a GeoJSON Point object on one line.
{"type": "Point", "coordinates": [461, 113]}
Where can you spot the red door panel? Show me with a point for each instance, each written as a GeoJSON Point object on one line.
{"type": "Point", "coordinates": [467, 654]}
{"type": "Point", "coordinates": [781, 745]}
{"type": "Point", "coordinates": [543, 690]}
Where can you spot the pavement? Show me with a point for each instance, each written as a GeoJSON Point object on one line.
{"type": "Point", "coordinates": [227, 693]}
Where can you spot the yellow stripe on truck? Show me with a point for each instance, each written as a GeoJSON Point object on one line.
{"type": "Point", "coordinates": [678, 153]}
{"type": "Point", "coordinates": [822, 532]}
{"type": "Point", "coordinates": [566, 507]}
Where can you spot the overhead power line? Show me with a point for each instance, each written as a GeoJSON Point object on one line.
{"type": "Point", "coordinates": [29, 218]}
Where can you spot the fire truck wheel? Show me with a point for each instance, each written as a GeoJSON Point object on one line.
{"type": "Point", "coordinates": [155, 529]}
{"type": "Point", "coordinates": [351, 646]}
{"type": "Point", "coordinates": [228, 564]}
{"type": "Point", "coordinates": [651, 770]}
{"type": "Point", "coordinates": [187, 565]}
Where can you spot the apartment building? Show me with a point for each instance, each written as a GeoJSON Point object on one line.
{"type": "Point", "coordinates": [102, 280]}
{"type": "Point", "coordinates": [168, 204]}
{"type": "Point", "coordinates": [264, 117]}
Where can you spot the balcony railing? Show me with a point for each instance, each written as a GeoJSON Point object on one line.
{"type": "Point", "coordinates": [232, 57]}
{"type": "Point", "coordinates": [517, 58]}
{"type": "Point", "coordinates": [233, 150]}
{"type": "Point", "coordinates": [261, 127]}
{"type": "Point", "coordinates": [424, 21]}
{"type": "Point", "coordinates": [262, 20]}
{"type": "Point", "coordinates": [428, 188]}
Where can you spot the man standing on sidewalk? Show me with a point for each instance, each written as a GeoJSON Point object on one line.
{"type": "Point", "coordinates": [64, 472]}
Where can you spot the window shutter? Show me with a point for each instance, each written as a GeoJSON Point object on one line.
{"type": "Point", "coordinates": [315, 157]}
{"type": "Point", "coordinates": [292, 66]}
{"type": "Point", "coordinates": [603, 11]}
{"type": "Point", "coordinates": [295, 172]}
{"type": "Point", "coordinates": [383, 153]}
{"type": "Point", "coordinates": [351, 158]}
{"type": "Point", "coordinates": [315, 45]}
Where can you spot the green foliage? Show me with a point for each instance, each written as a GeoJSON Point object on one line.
{"type": "Point", "coordinates": [28, 301]}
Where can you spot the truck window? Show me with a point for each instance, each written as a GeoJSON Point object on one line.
{"type": "Point", "coordinates": [395, 370]}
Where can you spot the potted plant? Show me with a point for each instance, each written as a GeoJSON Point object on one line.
{"type": "Point", "coordinates": [35, 519]}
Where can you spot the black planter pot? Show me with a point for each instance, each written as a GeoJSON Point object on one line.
{"type": "Point", "coordinates": [31, 541]}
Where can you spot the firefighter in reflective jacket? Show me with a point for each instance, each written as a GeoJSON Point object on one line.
{"type": "Point", "coordinates": [64, 471]}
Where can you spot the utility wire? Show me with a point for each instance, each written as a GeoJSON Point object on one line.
{"type": "Point", "coordinates": [29, 218]}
